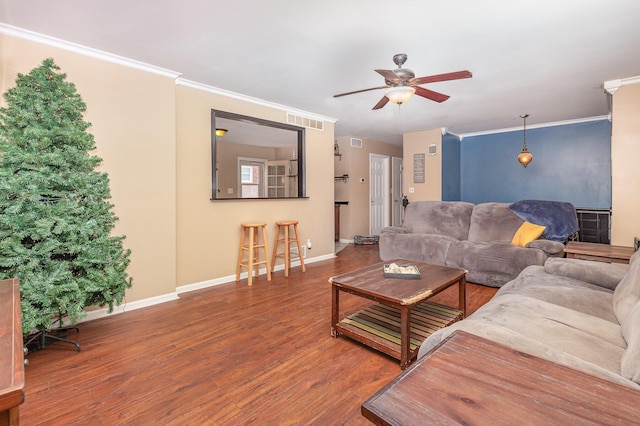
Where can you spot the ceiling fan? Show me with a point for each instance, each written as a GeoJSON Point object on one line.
{"type": "Point", "coordinates": [401, 83]}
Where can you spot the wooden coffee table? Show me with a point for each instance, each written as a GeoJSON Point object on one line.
{"type": "Point", "coordinates": [401, 319]}
{"type": "Point", "coordinates": [471, 380]}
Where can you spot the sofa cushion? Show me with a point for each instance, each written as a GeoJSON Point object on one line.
{"type": "Point", "coordinates": [630, 365]}
{"type": "Point", "coordinates": [607, 275]}
{"type": "Point", "coordinates": [526, 233]}
{"type": "Point", "coordinates": [534, 346]}
{"type": "Point", "coordinates": [627, 293]}
{"type": "Point", "coordinates": [584, 336]}
{"type": "Point", "coordinates": [492, 264]}
{"type": "Point", "coordinates": [493, 222]}
{"type": "Point", "coordinates": [439, 217]}
{"type": "Point", "coordinates": [426, 248]}
{"type": "Point", "coordinates": [568, 292]}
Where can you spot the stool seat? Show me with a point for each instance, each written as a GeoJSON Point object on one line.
{"type": "Point", "coordinates": [252, 248]}
{"type": "Point", "coordinates": [286, 241]}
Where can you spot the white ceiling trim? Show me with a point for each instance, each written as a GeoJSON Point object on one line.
{"type": "Point", "coordinates": [612, 86]}
{"type": "Point", "coordinates": [21, 33]}
{"type": "Point", "coordinates": [256, 101]}
{"type": "Point", "coordinates": [534, 126]}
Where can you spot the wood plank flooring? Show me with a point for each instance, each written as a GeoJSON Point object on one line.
{"type": "Point", "coordinates": [227, 355]}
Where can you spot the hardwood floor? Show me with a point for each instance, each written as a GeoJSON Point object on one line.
{"type": "Point", "coordinates": [230, 354]}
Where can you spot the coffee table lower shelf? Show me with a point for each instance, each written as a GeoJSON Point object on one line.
{"type": "Point", "coordinates": [378, 326]}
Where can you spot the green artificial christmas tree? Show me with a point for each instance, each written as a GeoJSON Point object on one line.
{"type": "Point", "coordinates": [55, 217]}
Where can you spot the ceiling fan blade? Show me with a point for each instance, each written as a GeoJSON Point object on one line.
{"type": "Point", "coordinates": [381, 103]}
{"type": "Point", "coordinates": [359, 91]}
{"type": "Point", "coordinates": [430, 94]}
{"type": "Point", "coordinates": [389, 75]}
{"type": "Point", "coordinates": [441, 77]}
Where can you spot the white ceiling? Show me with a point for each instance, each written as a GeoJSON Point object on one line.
{"type": "Point", "coordinates": [547, 58]}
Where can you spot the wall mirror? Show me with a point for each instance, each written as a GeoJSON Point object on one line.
{"type": "Point", "coordinates": [256, 158]}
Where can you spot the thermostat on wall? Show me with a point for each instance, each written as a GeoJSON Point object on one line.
{"type": "Point", "coordinates": [433, 149]}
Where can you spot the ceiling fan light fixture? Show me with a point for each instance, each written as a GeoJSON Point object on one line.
{"type": "Point", "coordinates": [400, 94]}
{"type": "Point", "coordinates": [221, 132]}
{"type": "Point", "coordinates": [525, 156]}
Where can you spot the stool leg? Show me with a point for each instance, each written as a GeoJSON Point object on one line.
{"type": "Point", "coordinates": [295, 230]}
{"type": "Point", "coordinates": [252, 249]}
{"type": "Point", "coordinates": [275, 247]}
{"type": "Point", "coordinates": [266, 252]}
{"type": "Point", "coordinates": [240, 256]}
{"type": "Point", "coordinates": [287, 251]}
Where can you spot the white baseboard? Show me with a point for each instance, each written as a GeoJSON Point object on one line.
{"type": "Point", "coordinates": [144, 303]}
{"type": "Point", "coordinates": [230, 278]}
{"type": "Point", "coordinates": [125, 307]}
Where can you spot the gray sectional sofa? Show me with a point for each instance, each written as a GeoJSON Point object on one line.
{"type": "Point", "coordinates": [578, 313]}
{"type": "Point", "coordinates": [475, 237]}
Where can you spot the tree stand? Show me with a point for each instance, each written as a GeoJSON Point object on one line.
{"type": "Point", "coordinates": [42, 339]}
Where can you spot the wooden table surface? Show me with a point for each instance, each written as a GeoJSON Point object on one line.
{"type": "Point", "coordinates": [474, 381]}
{"type": "Point", "coordinates": [598, 252]}
{"type": "Point", "coordinates": [370, 282]}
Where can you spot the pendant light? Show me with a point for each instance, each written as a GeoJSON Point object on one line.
{"type": "Point", "coordinates": [525, 156]}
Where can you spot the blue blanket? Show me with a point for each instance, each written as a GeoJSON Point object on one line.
{"type": "Point", "coordinates": [560, 219]}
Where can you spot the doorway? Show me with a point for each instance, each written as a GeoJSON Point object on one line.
{"type": "Point", "coordinates": [251, 182]}
{"type": "Point", "coordinates": [379, 193]}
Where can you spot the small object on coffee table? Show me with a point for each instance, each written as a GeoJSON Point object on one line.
{"type": "Point", "coordinates": [405, 272]}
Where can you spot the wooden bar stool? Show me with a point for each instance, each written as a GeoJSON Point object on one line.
{"type": "Point", "coordinates": [253, 250]}
{"type": "Point", "coordinates": [286, 241]}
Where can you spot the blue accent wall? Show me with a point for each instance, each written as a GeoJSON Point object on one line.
{"type": "Point", "coordinates": [570, 163]}
{"type": "Point", "coordinates": [450, 167]}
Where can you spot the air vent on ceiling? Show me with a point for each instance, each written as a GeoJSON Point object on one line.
{"type": "Point", "coordinates": [308, 122]}
{"type": "Point", "coordinates": [356, 143]}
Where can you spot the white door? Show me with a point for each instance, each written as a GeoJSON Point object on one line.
{"type": "Point", "coordinates": [396, 191]}
{"type": "Point", "coordinates": [378, 193]}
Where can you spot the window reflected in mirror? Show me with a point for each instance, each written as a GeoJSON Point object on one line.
{"type": "Point", "coordinates": [255, 158]}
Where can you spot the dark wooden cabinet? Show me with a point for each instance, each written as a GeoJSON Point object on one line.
{"type": "Point", "coordinates": [11, 353]}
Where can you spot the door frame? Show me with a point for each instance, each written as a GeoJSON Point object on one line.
{"type": "Point", "coordinates": [386, 193]}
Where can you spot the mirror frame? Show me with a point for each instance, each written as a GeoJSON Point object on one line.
{"type": "Point", "coordinates": [302, 193]}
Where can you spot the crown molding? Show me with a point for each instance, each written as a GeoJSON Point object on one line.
{"type": "Point", "coordinates": [21, 33]}
{"type": "Point", "coordinates": [229, 94]}
{"type": "Point", "coordinates": [612, 86]}
{"type": "Point", "coordinates": [534, 126]}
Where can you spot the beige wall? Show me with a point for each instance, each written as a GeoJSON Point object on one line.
{"type": "Point", "coordinates": [133, 117]}
{"type": "Point", "coordinates": [154, 139]}
{"type": "Point", "coordinates": [417, 143]}
{"type": "Point", "coordinates": [625, 173]}
{"type": "Point", "coordinates": [354, 217]}
{"type": "Point", "coordinates": [209, 231]}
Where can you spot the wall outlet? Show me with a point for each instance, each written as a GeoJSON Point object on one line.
{"type": "Point", "coordinates": [304, 252]}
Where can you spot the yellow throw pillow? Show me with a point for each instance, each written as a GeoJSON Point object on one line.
{"type": "Point", "coordinates": [526, 233]}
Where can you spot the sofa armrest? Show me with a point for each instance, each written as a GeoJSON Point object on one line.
{"type": "Point", "coordinates": [551, 248]}
{"type": "Point", "coordinates": [603, 274]}
{"type": "Point", "coordinates": [395, 229]}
